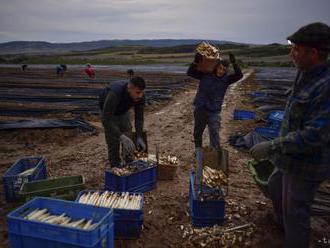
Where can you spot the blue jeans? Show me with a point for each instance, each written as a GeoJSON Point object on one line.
{"type": "Point", "coordinates": [212, 120]}
{"type": "Point", "coordinates": [292, 199]}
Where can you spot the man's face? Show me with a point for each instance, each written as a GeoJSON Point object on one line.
{"type": "Point", "coordinates": [134, 92]}
{"type": "Point", "coordinates": [302, 56]}
{"type": "Point", "coordinates": [221, 70]}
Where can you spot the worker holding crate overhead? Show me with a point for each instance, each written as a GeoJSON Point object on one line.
{"type": "Point", "coordinates": [301, 153]}
{"type": "Point", "coordinates": [211, 70]}
{"type": "Point", "coordinates": [115, 103]}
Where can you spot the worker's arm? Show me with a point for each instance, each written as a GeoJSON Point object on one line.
{"type": "Point", "coordinates": [193, 72]}
{"type": "Point", "coordinates": [237, 75]}
{"type": "Point", "coordinates": [109, 108]}
{"type": "Point", "coordinates": [316, 127]}
{"type": "Point", "coordinates": [139, 118]}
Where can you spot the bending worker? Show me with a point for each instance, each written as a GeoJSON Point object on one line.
{"type": "Point", "coordinates": [116, 121]}
{"type": "Point", "coordinates": [301, 153]}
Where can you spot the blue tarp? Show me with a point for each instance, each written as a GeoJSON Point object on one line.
{"type": "Point", "coordinates": [46, 123]}
{"type": "Point", "coordinates": [275, 118]}
{"type": "Point", "coordinates": [267, 132]}
{"type": "Point", "coordinates": [244, 115]}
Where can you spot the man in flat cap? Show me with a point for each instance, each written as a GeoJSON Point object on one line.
{"type": "Point", "coordinates": [301, 153]}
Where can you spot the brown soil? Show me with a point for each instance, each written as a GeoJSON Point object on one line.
{"type": "Point", "coordinates": [70, 152]}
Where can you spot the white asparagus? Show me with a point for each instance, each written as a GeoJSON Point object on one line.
{"type": "Point", "coordinates": [94, 198]}
{"type": "Point", "coordinates": [57, 219]}
{"type": "Point", "coordinates": [32, 213]}
{"type": "Point", "coordinates": [27, 172]}
{"type": "Point", "coordinates": [76, 223]}
{"type": "Point", "coordinates": [43, 215]}
{"type": "Point", "coordinates": [93, 226]}
{"type": "Point", "coordinates": [67, 221]}
{"type": "Point", "coordinates": [98, 200]}
{"type": "Point", "coordinates": [110, 199]}
{"type": "Point", "coordinates": [107, 204]}
{"type": "Point", "coordinates": [87, 225]}
{"type": "Point", "coordinates": [50, 218]}
{"type": "Point", "coordinates": [113, 197]}
{"type": "Point", "coordinates": [106, 198]}
{"type": "Point", "coordinates": [38, 213]}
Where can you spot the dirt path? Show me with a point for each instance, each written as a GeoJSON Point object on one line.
{"type": "Point", "coordinates": [166, 207]}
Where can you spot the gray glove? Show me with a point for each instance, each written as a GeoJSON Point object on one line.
{"type": "Point", "coordinates": [140, 143]}
{"type": "Point", "coordinates": [128, 145]}
{"type": "Point", "coordinates": [261, 151]}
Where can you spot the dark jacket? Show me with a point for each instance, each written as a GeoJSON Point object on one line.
{"type": "Point", "coordinates": [212, 89]}
{"type": "Point", "coordinates": [118, 102]}
{"type": "Point", "coordinates": [303, 148]}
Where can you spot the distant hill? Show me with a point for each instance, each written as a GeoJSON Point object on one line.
{"type": "Point", "coordinates": [40, 47]}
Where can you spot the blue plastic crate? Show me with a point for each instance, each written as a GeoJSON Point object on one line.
{"type": "Point", "coordinates": [268, 132]}
{"type": "Point", "coordinates": [275, 118]}
{"type": "Point", "coordinates": [205, 213]}
{"type": "Point", "coordinates": [258, 94]}
{"type": "Point", "coordinates": [127, 222]}
{"type": "Point", "coordinates": [142, 181]}
{"type": "Point", "coordinates": [28, 233]}
{"type": "Point", "coordinates": [244, 115]}
{"type": "Point", "coordinates": [12, 182]}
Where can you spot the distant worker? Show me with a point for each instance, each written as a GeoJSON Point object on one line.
{"type": "Point", "coordinates": [119, 99]}
{"type": "Point", "coordinates": [130, 73]}
{"type": "Point", "coordinates": [301, 153]}
{"type": "Point", "coordinates": [24, 67]}
{"type": "Point", "coordinates": [90, 71]}
{"type": "Point", "coordinates": [60, 70]}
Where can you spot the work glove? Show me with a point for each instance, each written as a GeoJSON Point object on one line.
{"type": "Point", "coordinates": [128, 145]}
{"type": "Point", "coordinates": [198, 58]}
{"type": "Point", "coordinates": [140, 144]}
{"type": "Point", "coordinates": [232, 58]}
{"type": "Point", "coordinates": [261, 151]}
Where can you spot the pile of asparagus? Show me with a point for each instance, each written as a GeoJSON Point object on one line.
{"type": "Point", "coordinates": [218, 236]}
{"type": "Point", "coordinates": [112, 199]}
{"type": "Point", "coordinates": [168, 160]}
{"type": "Point", "coordinates": [163, 159]}
{"type": "Point", "coordinates": [208, 51]}
{"type": "Point", "coordinates": [214, 178]}
{"type": "Point", "coordinates": [128, 170]}
{"type": "Point", "coordinates": [236, 231]}
{"type": "Point", "coordinates": [43, 215]}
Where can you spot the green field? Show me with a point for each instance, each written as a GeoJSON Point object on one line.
{"type": "Point", "coordinates": [247, 55]}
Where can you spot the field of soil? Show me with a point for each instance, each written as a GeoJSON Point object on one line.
{"type": "Point", "coordinates": [169, 124]}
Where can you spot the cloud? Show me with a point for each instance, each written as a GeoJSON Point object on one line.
{"type": "Point", "coordinates": [258, 21]}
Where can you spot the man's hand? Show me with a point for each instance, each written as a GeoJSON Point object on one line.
{"type": "Point", "coordinates": [261, 151]}
{"type": "Point", "coordinates": [128, 145]}
{"type": "Point", "coordinates": [140, 144]}
{"type": "Point", "coordinates": [232, 58]}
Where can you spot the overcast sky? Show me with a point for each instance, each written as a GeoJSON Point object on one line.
{"type": "Point", "coordinates": [251, 21]}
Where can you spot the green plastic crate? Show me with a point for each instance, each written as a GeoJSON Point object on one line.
{"type": "Point", "coordinates": [261, 171]}
{"type": "Point", "coordinates": [66, 188]}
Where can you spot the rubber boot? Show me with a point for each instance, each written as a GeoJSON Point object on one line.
{"type": "Point", "coordinates": [199, 170]}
